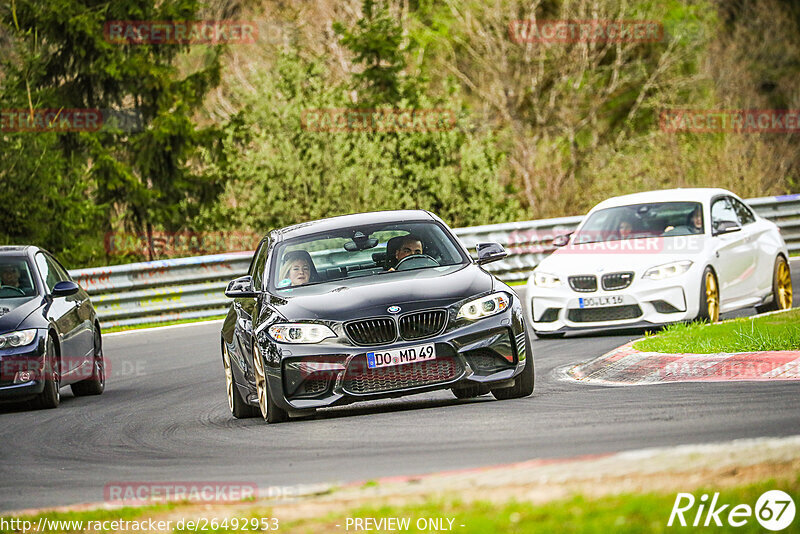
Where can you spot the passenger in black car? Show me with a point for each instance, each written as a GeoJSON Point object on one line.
{"type": "Point", "coordinates": [297, 269]}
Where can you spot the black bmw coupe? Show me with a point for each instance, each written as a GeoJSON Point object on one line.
{"type": "Point", "coordinates": [370, 306]}
{"type": "Point", "coordinates": [49, 332]}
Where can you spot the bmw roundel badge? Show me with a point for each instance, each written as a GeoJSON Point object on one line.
{"type": "Point", "coordinates": [393, 309]}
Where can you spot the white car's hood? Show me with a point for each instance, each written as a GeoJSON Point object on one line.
{"type": "Point", "coordinates": [635, 255]}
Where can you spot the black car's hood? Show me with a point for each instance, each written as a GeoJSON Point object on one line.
{"type": "Point", "coordinates": [13, 311]}
{"type": "Point", "coordinates": [370, 296]}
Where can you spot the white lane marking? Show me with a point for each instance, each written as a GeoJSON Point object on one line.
{"type": "Point", "coordinates": [158, 328]}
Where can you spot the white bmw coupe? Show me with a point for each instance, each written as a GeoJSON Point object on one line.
{"type": "Point", "coordinates": [660, 257]}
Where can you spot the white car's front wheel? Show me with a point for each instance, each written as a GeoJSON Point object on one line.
{"type": "Point", "coordinates": [709, 297]}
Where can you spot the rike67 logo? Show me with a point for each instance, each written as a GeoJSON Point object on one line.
{"type": "Point", "coordinates": [774, 510]}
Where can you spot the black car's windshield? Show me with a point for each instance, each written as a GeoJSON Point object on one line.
{"type": "Point", "coordinates": [15, 278]}
{"type": "Point", "coordinates": [658, 219]}
{"type": "Point", "coordinates": [362, 251]}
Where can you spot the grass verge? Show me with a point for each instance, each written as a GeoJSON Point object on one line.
{"type": "Point", "coordinates": [624, 513]}
{"type": "Point", "coordinates": [780, 331]}
{"type": "Point", "coordinates": [165, 323]}
{"type": "Point", "coordinates": [620, 513]}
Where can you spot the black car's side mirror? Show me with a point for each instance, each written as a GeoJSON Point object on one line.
{"type": "Point", "coordinates": [561, 240]}
{"type": "Point", "coordinates": [241, 287]}
{"type": "Point", "coordinates": [65, 289]}
{"type": "Point", "coordinates": [489, 252]}
{"type": "Point", "coordinates": [726, 227]}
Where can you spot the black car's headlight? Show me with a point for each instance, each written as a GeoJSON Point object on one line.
{"type": "Point", "coordinates": [300, 332]}
{"type": "Point", "coordinates": [484, 306]}
{"type": "Point", "coordinates": [19, 338]}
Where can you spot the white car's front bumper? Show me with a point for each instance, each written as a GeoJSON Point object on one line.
{"type": "Point", "coordinates": [643, 302]}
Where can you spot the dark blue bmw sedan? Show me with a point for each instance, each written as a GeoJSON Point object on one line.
{"type": "Point", "coordinates": [49, 331]}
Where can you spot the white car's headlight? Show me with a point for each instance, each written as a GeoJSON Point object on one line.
{"type": "Point", "coordinates": [17, 339]}
{"type": "Point", "coordinates": [484, 306]}
{"type": "Point", "coordinates": [300, 332]}
{"type": "Point", "coordinates": [546, 279]}
{"type": "Point", "coordinates": [668, 270]}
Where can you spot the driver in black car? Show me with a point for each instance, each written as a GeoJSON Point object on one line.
{"type": "Point", "coordinates": [9, 275]}
{"type": "Point", "coordinates": [410, 245]}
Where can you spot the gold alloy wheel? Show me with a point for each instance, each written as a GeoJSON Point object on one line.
{"type": "Point", "coordinates": [226, 362]}
{"type": "Point", "coordinates": [784, 279]}
{"type": "Point", "coordinates": [261, 381]}
{"type": "Point", "coordinates": [712, 297]}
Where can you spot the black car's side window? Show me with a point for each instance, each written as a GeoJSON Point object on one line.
{"type": "Point", "coordinates": [47, 270]}
{"type": "Point", "coordinates": [743, 212]}
{"type": "Point", "coordinates": [257, 267]}
{"type": "Point", "coordinates": [61, 272]}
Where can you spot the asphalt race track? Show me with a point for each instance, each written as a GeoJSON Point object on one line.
{"type": "Point", "coordinates": [164, 418]}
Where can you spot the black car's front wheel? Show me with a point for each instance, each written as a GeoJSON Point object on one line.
{"type": "Point", "coordinates": [523, 385]}
{"type": "Point", "coordinates": [269, 410]}
{"type": "Point", "coordinates": [239, 409]}
{"type": "Point", "coordinates": [50, 397]}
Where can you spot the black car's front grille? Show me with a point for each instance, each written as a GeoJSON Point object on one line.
{"type": "Point", "coordinates": [614, 281]}
{"type": "Point", "coordinates": [360, 379]}
{"type": "Point", "coordinates": [583, 283]}
{"type": "Point", "coordinates": [422, 324]}
{"type": "Point", "coordinates": [610, 313]}
{"type": "Point", "coordinates": [372, 331]}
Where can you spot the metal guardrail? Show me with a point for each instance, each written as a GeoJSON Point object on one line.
{"type": "Point", "coordinates": [190, 288]}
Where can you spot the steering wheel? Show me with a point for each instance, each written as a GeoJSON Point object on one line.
{"type": "Point", "coordinates": [21, 292]}
{"type": "Point", "coordinates": [415, 261]}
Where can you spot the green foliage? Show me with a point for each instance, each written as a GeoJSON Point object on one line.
{"type": "Point", "coordinates": [283, 173]}
{"type": "Point", "coordinates": [376, 42]}
{"type": "Point", "coordinates": [60, 59]}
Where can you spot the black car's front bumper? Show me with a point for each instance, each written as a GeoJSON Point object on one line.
{"type": "Point", "coordinates": [15, 363]}
{"type": "Point", "coordinates": [489, 351]}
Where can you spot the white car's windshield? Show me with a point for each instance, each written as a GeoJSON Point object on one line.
{"type": "Point", "coordinates": [658, 219]}
{"type": "Point", "coordinates": [362, 251]}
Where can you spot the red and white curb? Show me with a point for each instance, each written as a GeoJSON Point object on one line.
{"type": "Point", "coordinates": [626, 366]}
